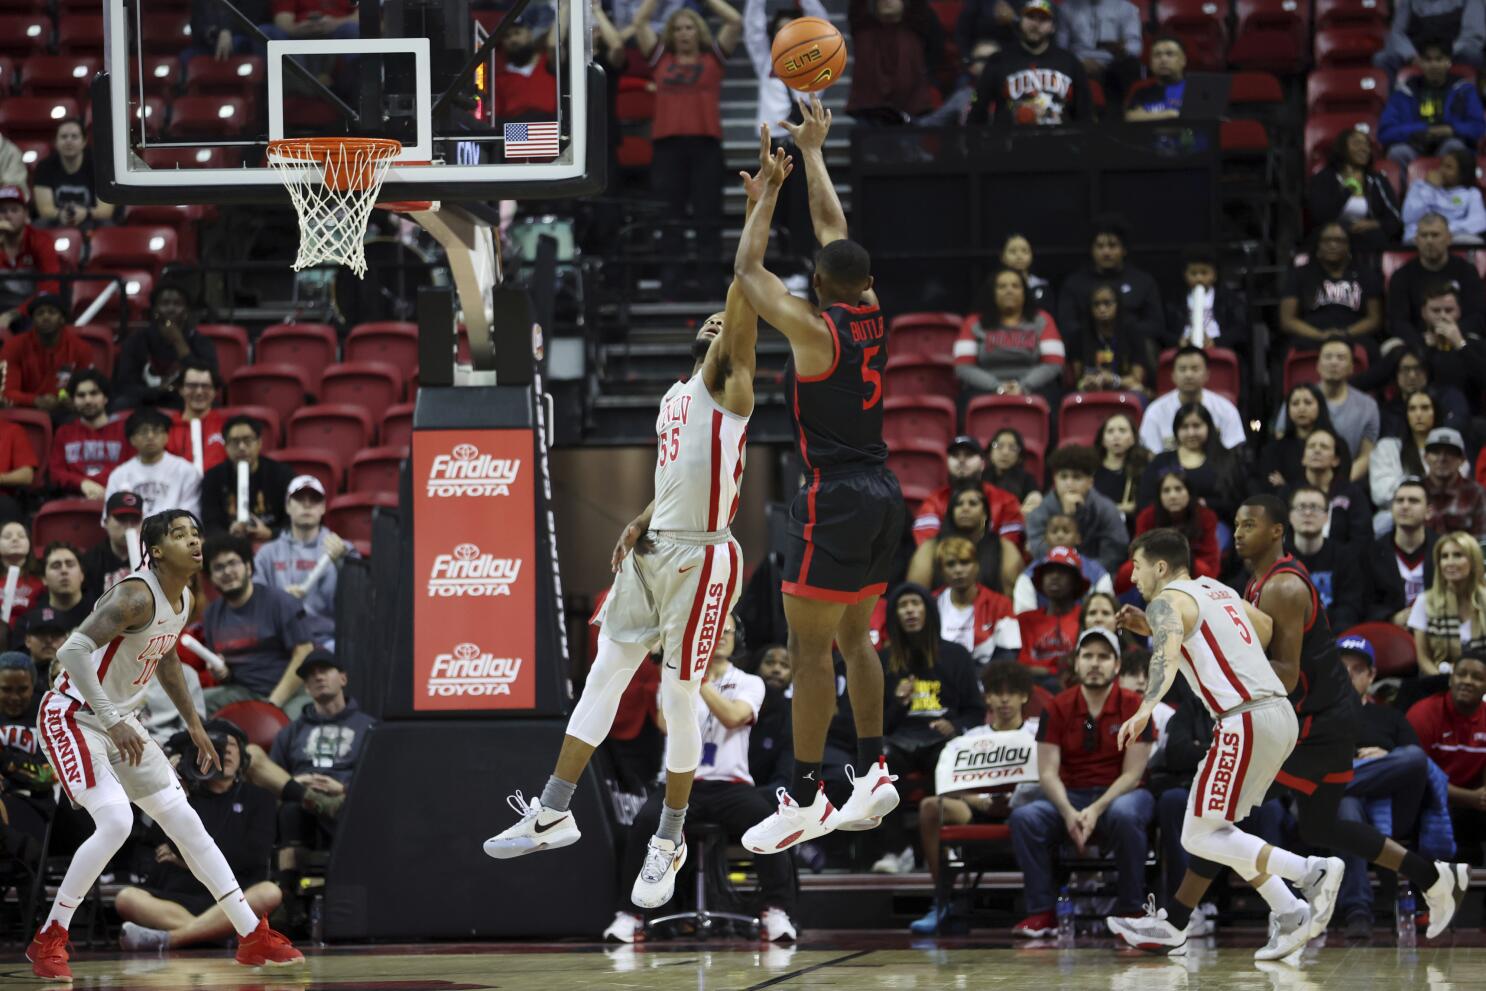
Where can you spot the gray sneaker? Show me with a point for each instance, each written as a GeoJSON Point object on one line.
{"type": "Point", "coordinates": [1320, 887]}
{"type": "Point", "coordinates": [1287, 933]}
{"type": "Point", "coordinates": [140, 939]}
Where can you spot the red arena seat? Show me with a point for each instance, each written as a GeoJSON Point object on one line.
{"type": "Point", "coordinates": [1030, 416]}
{"type": "Point", "coordinates": [322, 464]}
{"type": "Point", "coordinates": [232, 346]}
{"type": "Point", "coordinates": [373, 385]}
{"type": "Point", "coordinates": [132, 247]}
{"type": "Point", "coordinates": [340, 428]}
{"type": "Point", "coordinates": [376, 469]}
{"type": "Point", "coordinates": [311, 346]}
{"type": "Point", "coordinates": [350, 516]}
{"type": "Point", "coordinates": [1081, 414]}
{"type": "Point", "coordinates": [72, 520]}
{"type": "Point", "coordinates": [34, 118]}
{"type": "Point", "coordinates": [928, 335]}
{"type": "Point", "coordinates": [282, 388]}
{"type": "Point", "coordinates": [397, 425]}
{"type": "Point", "coordinates": [930, 418]}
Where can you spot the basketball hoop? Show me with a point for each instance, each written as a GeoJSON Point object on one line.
{"type": "Point", "coordinates": [334, 184]}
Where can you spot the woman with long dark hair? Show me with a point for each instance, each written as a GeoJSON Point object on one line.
{"type": "Point", "coordinates": [1006, 468]}
{"type": "Point", "coordinates": [1113, 356]}
{"type": "Point", "coordinates": [1212, 472]}
{"type": "Point", "coordinates": [1305, 410]}
{"type": "Point", "coordinates": [1351, 192]}
{"type": "Point", "coordinates": [1397, 458]}
{"type": "Point", "coordinates": [1009, 347]}
{"type": "Point", "coordinates": [969, 517]}
{"type": "Point", "coordinates": [1122, 458]}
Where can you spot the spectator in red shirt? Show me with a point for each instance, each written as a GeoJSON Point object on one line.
{"type": "Point", "coordinates": [897, 45]}
{"type": "Point", "coordinates": [1090, 788]}
{"type": "Point", "coordinates": [1049, 633]}
{"type": "Point", "coordinates": [966, 461]}
{"type": "Point", "coordinates": [1175, 508]}
{"type": "Point", "coordinates": [18, 466]}
{"type": "Point", "coordinates": [198, 389]}
{"type": "Point", "coordinates": [87, 449]}
{"type": "Point", "coordinates": [15, 552]}
{"type": "Point", "coordinates": [39, 365]}
{"type": "Point", "coordinates": [971, 615]}
{"type": "Point", "coordinates": [525, 88]}
{"type": "Point", "coordinates": [1452, 729]}
{"type": "Point", "coordinates": [688, 66]}
{"type": "Point", "coordinates": [23, 248]}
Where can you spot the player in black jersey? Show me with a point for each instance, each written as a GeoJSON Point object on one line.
{"type": "Point", "coordinates": [1303, 652]}
{"type": "Point", "coordinates": [847, 520]}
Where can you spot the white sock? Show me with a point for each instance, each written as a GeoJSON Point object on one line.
{"type": "Point", "coordinates": [238, 911]}
{"type": "Point", "coordinates": [1278, 896]}
{"type": "Point", "coordinates": [1290, 866]}
{"type": "Point", "coordinates": [111, 825]}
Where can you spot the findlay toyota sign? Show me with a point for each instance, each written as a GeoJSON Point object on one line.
{"type": "Point", "coordinates": [984, 758]}
{"type": "Point", "coordinates": [474, 541]}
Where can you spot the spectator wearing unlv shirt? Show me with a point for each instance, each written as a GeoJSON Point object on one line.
{"type": "Point", "coordinates": [198, 390]}
{"type": "Point", "coordinates": [23, 249]}
{"type": "Point", "coordinates": [966, 462]}
{"type": "Point", "coordinates": [39, 364]}
{"type": "Point", "coordinates": [1452, 730]}
{"type": "Point", "coordinates": [1009, 348]}
{"type": "Point", "coordinates": [688, 65]}
{"type": "Point", "coordinates": [87, 449]}
{"type": "Point", "coordinates": [1331, 295]}
{"type": "Point", "coordinates": [1033, 82]}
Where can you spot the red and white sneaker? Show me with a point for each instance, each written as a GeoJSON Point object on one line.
{"type": "Point", "coordinates": [872, 797]}
{"type": "Point", "coordinates": [791, 824]}
{"type": "Point", "coordinates": [1036, 926]}
{"type": "Point", "coordinates": [48, 954]}
{"type": "Point", "coordinates": [263, 947]}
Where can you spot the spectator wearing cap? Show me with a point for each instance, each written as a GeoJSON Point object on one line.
{"type": "Point", "coordinates": [967, 462]}
{"type": "Point", "coordinates": [1332, 564]}
{"type": "Point", "coordinates": [25, 251]}
{"type": "Point", "coordinates": [320, 748]}
{"type": "Point", "coordinates": [1009, 347]}
{"type": "Point", "coordinates": [198, 390]}
{"type": "Point", "coordinates": [967, 612]}
{"type": "Point", "coordinates": [1389, 764]}
{"type": "Point", "coordinates": [268, 480]}
{"type": "Point", "coordinates": [87, 448]}
{"type": "Point", "coordinates": [106, 563]}
{"type": "Point", "coordinates": [1451, 727]}
{"type": "Point", "coordinates": [152, 360]}
{"type": "Point", "coordinates": [46, 629]}
{"type": "Point", "coordinates": [1400, 565]}
{"type": "Point", "coordinates": [1033, 82]}
{"type": "Point", "coordinates": [1099, 520]}
{"type": "Point", "coordinates": [18, 465]}
{"type": "Point", "coordinates": [288, 561]}
{"type": "Point", "coordinates": [160, 479]}
{"type": "Point", "coordinates": [1048, 634]}
{"type": "Point", "coordinates": [1189, 376]}
{"type": "Point", "coordinates": [1062, 531]}
{"type": "Point", "coordinates": [1456, 502]}
{"type": "Point", "coordinates": [39, 365]}
{"type": "Point", "coordinates": [258, 631]}
{"type": "Point", "coordinates": [1090, 786]}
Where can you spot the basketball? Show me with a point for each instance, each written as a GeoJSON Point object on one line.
{"type": "Point", "coordinates": [809, 54]}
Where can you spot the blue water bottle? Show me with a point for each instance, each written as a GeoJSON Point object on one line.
{"type": "Point", "coordinates": [1066, 918]}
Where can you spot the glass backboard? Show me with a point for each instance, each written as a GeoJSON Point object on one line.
{"type": "Point", "coordinates": [488, 103]}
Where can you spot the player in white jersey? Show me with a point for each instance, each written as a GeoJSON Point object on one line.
{"type": "Point", "coordinates": [674, 592]}
{"type": "Point", "coordinates": [104, 758]}
{"type": "Point", "coordinates": [1217, 640]}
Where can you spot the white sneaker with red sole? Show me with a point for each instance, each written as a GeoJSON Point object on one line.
{"type": "Point", "coordinates": [872, 797]}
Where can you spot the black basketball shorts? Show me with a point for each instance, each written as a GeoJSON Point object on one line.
{"type": "Point", "coordinates": [1324, 752]}
{"type": "Point", "coordinates": [844, 531]}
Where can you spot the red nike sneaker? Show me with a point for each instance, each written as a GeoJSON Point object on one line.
{"type": "Point", "coordinates": [263, 947]}
{"type": "Point", "coordinates": [48, 954]}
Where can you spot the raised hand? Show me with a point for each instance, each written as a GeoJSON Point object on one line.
{"type": "Point", "coordinates": [1132, 618]}
{"type": "Point", "coordinates": [775, 168]}
{"type": "Point", "coordinates": [753, 185]}
{"type": "Point", "coordinates": [811, 134]}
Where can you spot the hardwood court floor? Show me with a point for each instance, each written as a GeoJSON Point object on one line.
{"type": "Point", "coordinates": [855, 961]}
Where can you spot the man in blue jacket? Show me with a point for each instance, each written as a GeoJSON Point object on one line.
{"type": "Point", "coordinates": [1433, 114]}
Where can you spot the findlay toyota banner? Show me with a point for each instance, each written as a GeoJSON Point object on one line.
{"type": "Point", "coordinates": [474, 549]}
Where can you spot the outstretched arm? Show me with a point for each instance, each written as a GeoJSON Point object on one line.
{"type": "Point", "coordinates": [644, 34]}
{"type": "Point", "coordinates": [732, 358]}
{"type": "Point", "coordinates": [793, 317]}
{"type": "Point", "coordinates": [1169, 618]}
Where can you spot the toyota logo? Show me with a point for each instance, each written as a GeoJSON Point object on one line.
{"type": "Point", "coordinates": [466, 552]}
{"type": "Point", "coordinates": [465, 452]}
{"type": "Point", "coordinates": [466, 652]}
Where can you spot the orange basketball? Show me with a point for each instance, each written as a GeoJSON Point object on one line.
{"type": "Point", "coordinates": [809, 54]}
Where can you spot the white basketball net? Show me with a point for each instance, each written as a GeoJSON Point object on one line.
{"type": "Point", "coordinates": [334, 187]}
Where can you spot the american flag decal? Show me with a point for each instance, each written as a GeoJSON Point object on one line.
{"type": "Point", "coordinates": [531, 140]}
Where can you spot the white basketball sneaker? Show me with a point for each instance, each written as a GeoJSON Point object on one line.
{"type": "Point", "coordinates": [538, 829]}
{"type": "Point", "coordinates": [872, 797]}
{"type": "Point", "coordinates": [1445, 895]}
{"type": "Point", "coordinates": [1287, 933]}
{"type": "Point", "coordinates": [657, 880]}
{"type": "Point", "coordinates": [791, 824]}
{"type": "Point", "coordinates": [1321, 886]}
